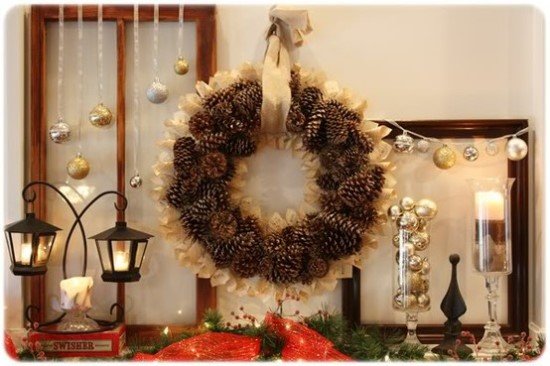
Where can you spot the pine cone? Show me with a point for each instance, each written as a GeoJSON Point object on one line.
{"type": "Point", "coordinates": [274, 244]}
{"type": "Point", "coordinates": [185, 155]}
{"type": "Point", "coordinates": [214, 190]}
{"type": "Point", "coordinates": [338, 221]}
{"type": "Point", "coordinates": [331, 202]}
{"type": "Point", "coordinates": [201, 124]}
{"type": "Point", "coordinates": [362, 141]}
{"type": "Point", "coordinates": [364, 186]}
{"type": "Point", "coordinates": [317, 267]}
{"type": "Point", "coordinates": [337, 244]}
{"type": "Point", "coordinates": [337, 131]}
{"type": "Point", "coordinates": [296, 121]}
{"type": "Point", "coordinates": [240, 146]}
{"type": "Point", "coordinates": [182, 189]}
{"type": "Point", "coordinates": [250, 225]}
{"type": "Point", "coordinates": [328, 181]}
{"type": "Point", "coordinates": [194, 225]}
{"type": "Point", "coordinates": [221, 112]}
{"type": "Point", "coordinates": [203, 208]}
{"type": "Point", "coordinates": [214, 164]}
{"type": "Point", "coordinates": [222, 251]}
{"type": "Point", "coordinates": [248, 101]}
{"type": "Point", "coordinates": [367, 216]}
{"type": "Point", "coordinates": [233, 126]}
{"type": "Point", "coordinates": [309, 98]}
{"type": "Point", "coordinates": [338, 111]}
{"type": "Point", "coordinates": [314, 136]}
{"type": "Point", "coordinates": [246, 264]}
{"type": "Point", "coordinates": [294, 84]}
{"type": "Point", "coordinates": [223, 225]}
{"type": "Point", "coordinates": [211, 142]}
{"type": "Point", "coordinates": [219, 96]}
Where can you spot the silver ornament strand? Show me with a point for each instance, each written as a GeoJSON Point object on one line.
{"type": "Point", "coordinates": [423, 146]}
{"type": "Point", "coordinates": [180, 31]}
{"type": "Point", "coordinates": [404, 143]}
{"type": "Point", "coordinates": [136, 98]}
{"type": "Point", "coordinates": [492, 148]}
{"type": "Point", "coordinates": [100, 52]}
{"type": "Point", "coordinates": [516, 149]}
{"type": "Point", "coordinates": [80, 78]}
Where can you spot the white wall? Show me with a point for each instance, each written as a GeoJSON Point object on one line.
{"type": "Point", "coordinates": [409, 62]}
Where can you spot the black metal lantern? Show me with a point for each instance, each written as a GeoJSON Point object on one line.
{"type": "Point", "coordinates": [30, 243]}
{"type": "Point", "coordinates": [121, 250]}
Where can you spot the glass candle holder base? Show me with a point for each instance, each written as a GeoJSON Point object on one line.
{"type": "Point", "coordinates": [492, 342]}
{"type": "Point", "coordinates": [75, 321]}
{"type": "Point", "coordinates": [412, 322]}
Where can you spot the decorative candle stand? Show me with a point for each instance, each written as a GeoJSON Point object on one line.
{"type": "Point", "coordinates": [412, 267]}
{"type": "Point", "coordinates": [492, 249]}
{"type": "Point", "coordinates": [30, 242]}
{"type": "Point", "coordinates": [453, 306]}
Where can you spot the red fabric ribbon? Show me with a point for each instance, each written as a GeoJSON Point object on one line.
{"type": "Point", "coordinates": [301, 344]}
{"type": "Point", "coordinates": [208, 347]}
{"type": "Point", "coordinates": [9, 346]}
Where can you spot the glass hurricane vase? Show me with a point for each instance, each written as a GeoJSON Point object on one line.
{"type": "Point", "coordinates": [492, 250]}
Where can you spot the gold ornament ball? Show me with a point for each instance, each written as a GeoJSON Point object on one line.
{"type": "Point", "coordinates": [394, 211]}
{"type": "Point", "coordinates": [408, 221]}
{"type": "Point", "coordinates": [181, 67]}
{"type": "Point", "coordinates": [425, 270]}
{"type": "Point", "coordinates": [423, 301]}
{"type": "Point", "coordinates": [410, 301]}
{"type": "Point", "coordinates": [78, 168]}
{"type": "Point", "coordinates": [414, 283]}
{"type": "Point", "coordinates": [407, 203]}
{"type": "Point", "coordinates": [415, 262]}
{"type": "Point", "coordinates": [420, 240]}
{"type": "Point", "coordinates": [444, 157]}
{"type": "Point", "coordinates": [398, 301]}
{"type": "Point", "coordinates": [426, 209]}
{"type": "Point", "coordinates": [100, 116]}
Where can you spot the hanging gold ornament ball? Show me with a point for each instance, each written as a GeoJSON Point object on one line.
{"type": "Point", "coordinates": [425, 209]}
{"type": "Point", "coordinates": [444, 157]}
{"type": "Point", "coordinates": [181, 67]}
{"type": "Point", "coordinates": [100, 116]}
{"type": "Point", "coordinates": [516, 149]}
{"type": "Point", "coordinates": [78, 168]}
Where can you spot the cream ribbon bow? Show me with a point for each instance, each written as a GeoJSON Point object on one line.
{"type": "Point", "coordinates": [287, 25]}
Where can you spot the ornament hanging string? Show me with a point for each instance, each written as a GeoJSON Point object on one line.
{"type": "Point", "coordinates": [80, 78]}
{"type": "Point", "coordinates": [136, 88]}
{"type": "Point", "coordinates": [434, 139]}
{"type": "Point", "coordinates": [180, 31]}
{"type": "Point", "coordinates": [60, 47]}
{"type": "Point", "coordinates": [288, 27]}
{"type": "Point", "coordinates": [100, 51]}
{"type": "Point", "coordinates": [156, 42]}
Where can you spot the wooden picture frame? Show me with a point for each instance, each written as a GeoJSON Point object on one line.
{"type": "Point", "coordinates": [204, 18]}
{"type": "Point", "coordinates": [518, 281]}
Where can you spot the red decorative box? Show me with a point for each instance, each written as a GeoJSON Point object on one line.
{"type": "Point", "coordinates": [101, 344]}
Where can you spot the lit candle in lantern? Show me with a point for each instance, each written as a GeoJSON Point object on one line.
{"type": "Point", "coordinates": [121, 260]}
{"type": "Point", "coordinates": [26, 253]}
{"type": "Point", "coordinates": [76, 292]}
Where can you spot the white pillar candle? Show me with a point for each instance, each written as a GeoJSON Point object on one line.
{"type": "Point", "coordinates": [26, 253]}
{"type": "Point", "coordinates": [489, 205]}
{"type": "Point", "coordinates": [121, 260]}
{"type": "Point", "coordinates": [76, 292]}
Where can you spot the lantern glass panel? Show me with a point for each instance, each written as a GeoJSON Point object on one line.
{"type": "Point", "coordinates": [121, 256]}
{"type": "Point", "coordinates": [43, 248]}
{"type": "Point", "coordinates": [140, 253]}
{"type": "Point", "coordinates": [104, 249]}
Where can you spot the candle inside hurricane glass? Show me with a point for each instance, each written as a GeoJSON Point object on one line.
{"type": "Point", "coordinates": [76, 293]}
{"type": "Point", "coordinates": [492, 249]}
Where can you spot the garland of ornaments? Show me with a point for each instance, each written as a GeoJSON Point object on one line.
{"type": "Point", "coordinates": [217, 232]}
{"type": "Point", "coordinates": [444, 157]}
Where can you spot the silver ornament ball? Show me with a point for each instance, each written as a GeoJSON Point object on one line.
{"type": "Point", "coordinates": [60, 132]}
{"type": "Point", "coordinates": [157, 92]}
{"type": "Point", "coordinates": [423, 146]}
{"type": "Point", "coordinates": [491, 149]}
{"type": "Point", "coordinates": [470, 153]}
{"type": "Point", "coordinates": [135, 181]}
{"type": "Point", "coordinates": [403, 144]}
{"type": "Point", "coordinates": [516, 149]}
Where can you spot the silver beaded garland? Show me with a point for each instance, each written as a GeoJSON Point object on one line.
{"type": "Point", "coordinates": [423, 146]}
{"type": "Point", "coordinates": [516, 149]}
{"type": "Point", "coordinates": [492, 148]}
{"type": "Point", "coordinates": [403, 143]}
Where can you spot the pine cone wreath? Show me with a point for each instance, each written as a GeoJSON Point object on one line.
{"type": "Point", "coordinates": [212, 141]}
{"type": "Point", "coordinates": [361, 187]}
{"type": "Point", "coordinates": [246, 263]}
{"type": "Point", "coordinates": [336, 244]}
{"type": "Point", "coordinates": [185, 154]}
{"type": "Point", "coordinates": [240, 146]}
{"type": "Point", "coordinates": [224, 95]}
{"type": "Point", "coordinates": [222, 251]}
{"type": "Point", "coordinates": [338, 111]}
{"type": "Point", "coordinates": [214, 164]}
{"type": "Point", "coordinates": [313, 137]}
{"type": "Point", "coordinates": [248, 101]}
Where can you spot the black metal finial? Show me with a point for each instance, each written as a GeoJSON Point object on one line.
{"type": "Point", "coordinates": [453, 306]}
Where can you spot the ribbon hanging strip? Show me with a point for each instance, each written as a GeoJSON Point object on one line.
{"type": "Point", "coordinates": [288, 27]}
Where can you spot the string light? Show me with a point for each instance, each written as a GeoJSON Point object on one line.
{"type": "Point", "coordinates": [444, 157]}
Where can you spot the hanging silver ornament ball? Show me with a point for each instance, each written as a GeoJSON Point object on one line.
{"type": "Point", "coordinates": [135, 181]}
{"type": "Point", "coordinates": [78, 168]}
{"type": "Point", "coordinates": [425, 208]}
{"type": "Point", "coordinates": [423, 146]}
{"type": "Point", "coordinates": [491, 149]}
{"type": "Point", "coordinates": [157, 92]}
{"type": "Point", "coordinates": [407, 203]}
{"type": "Point", "coordinates": [100, 116]}
{"type": "Point", "coordinates": [181, 67]}
{"type": "Point", "coordinates": [516, 149]}
{"type": "Point", "coordinates": [403, 144]}
{"type": "Point", "coordinates": [407, 221]}
{"type": "Point", "coordinates": [394, 211]}
{"type": "Point", "coordinates": [470, 153]}
{"type": "Point", "coordinates": [415, 262]}
{"type": "Point", "coordinates": [60, 132]}
{"type": "Point", "coordinates": [444, 157]}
